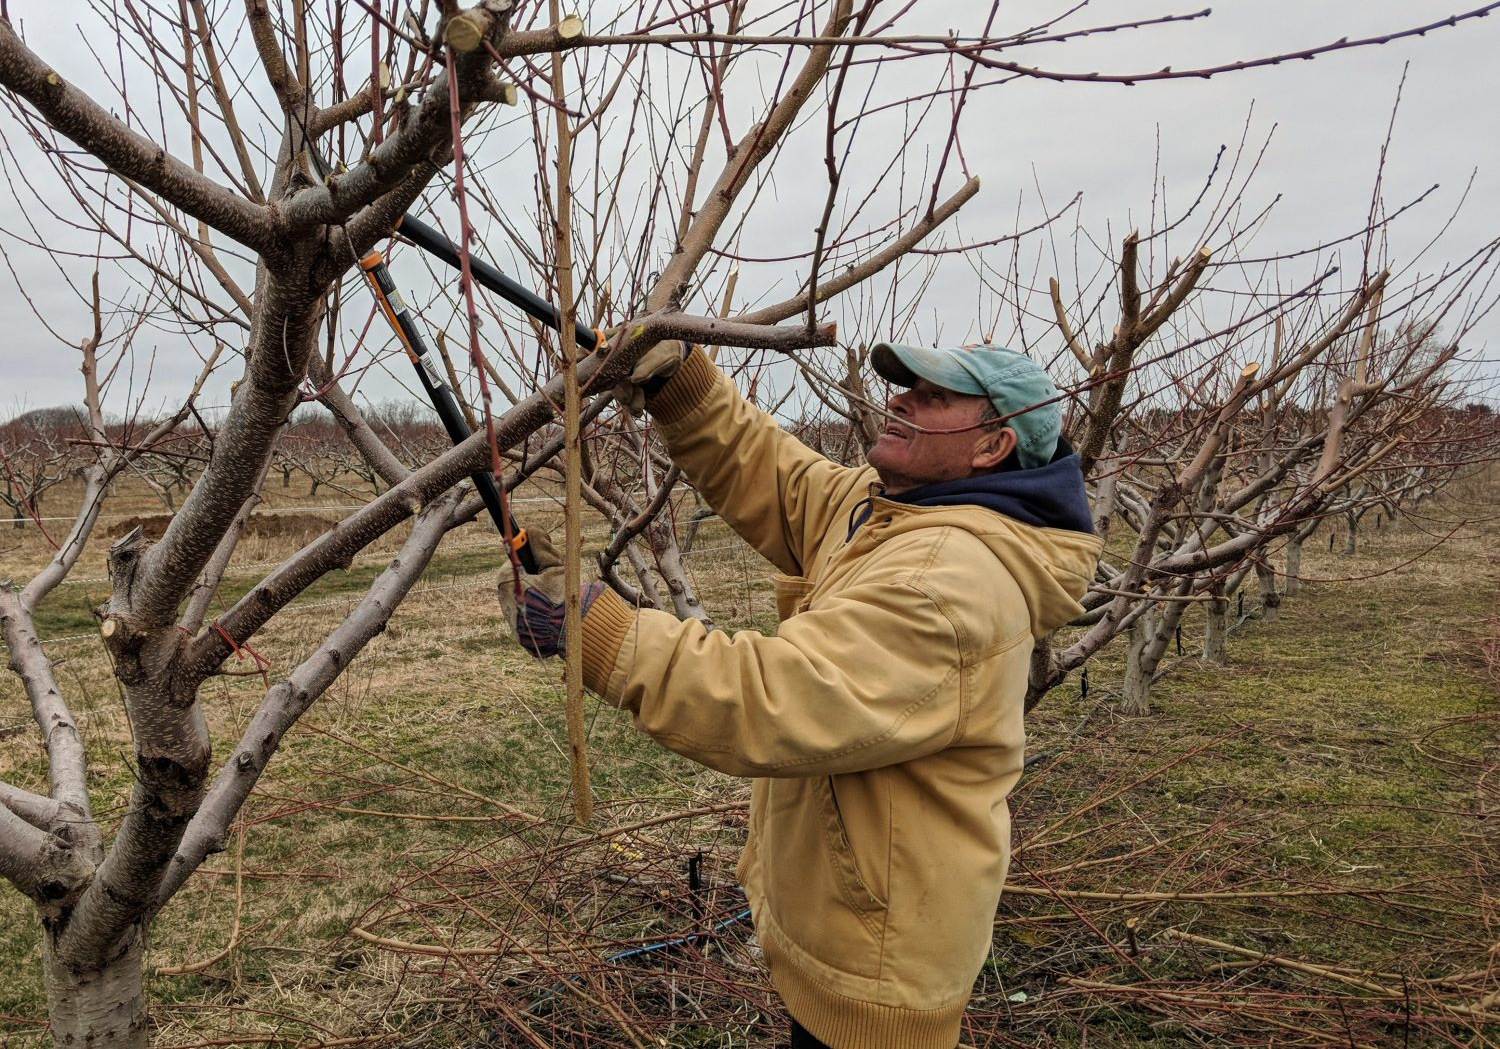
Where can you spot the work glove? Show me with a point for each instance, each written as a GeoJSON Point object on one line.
{"type": "Point", "coordinates": [650, 374]}
{"type": "Point", "coordinates": [539, 617]}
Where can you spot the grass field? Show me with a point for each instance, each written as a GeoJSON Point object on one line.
{"type": "Point", "coordinates": [405, 874]}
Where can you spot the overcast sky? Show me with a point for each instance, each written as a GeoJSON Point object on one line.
{"type": "Point", "coordinates": [1329, 118]}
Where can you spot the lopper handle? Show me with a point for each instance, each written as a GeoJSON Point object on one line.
{"type": "Point", "coordinates": [442, 398]}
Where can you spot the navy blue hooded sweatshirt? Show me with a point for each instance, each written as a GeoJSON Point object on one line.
{"type": "Point", "coordinates": [1050, 496]}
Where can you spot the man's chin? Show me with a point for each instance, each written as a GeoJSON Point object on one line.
{"type": "Point", "coordinates": [886, 461]}
{"type": "Point", "coordinates": [881, 455]}
{"type": "Point", "coordinates": [889, 445]}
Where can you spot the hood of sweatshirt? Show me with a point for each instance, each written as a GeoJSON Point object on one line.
{"type": "Point", "coordinates": [1036, 522]}
{"type": "Point", "coordinates": [1050, 496]}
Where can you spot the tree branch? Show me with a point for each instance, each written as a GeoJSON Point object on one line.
{"type": "Point", "coordinates": [67, 764]}
{"type": "Point", "coordinates": [334, 548]}
{"type": "Point", "coordinates": [352, 421]}
{"type": "Point", "coordinates": [747, 154]}
{"type": "Point", "coordinates": [289, 91]}
{"type": "Point", "coordinates": [390, 164]}
{"type": "Point", "coordinates": [78, 117]}
{"type": "Point", "coordinates": [290, 698]}
{"type": "Point", "coordinates": [36, 810]}
{"type": "Point", "coordinates": [41, 865]}
{"type": "Point", "coordinates": [896, 249]}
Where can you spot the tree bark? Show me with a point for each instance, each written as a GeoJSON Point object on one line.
{"type": "Point", "coordinates": [1135, 690]}
{"type": "Point", "coordinates": [1045, 673]}
{"type": "Point", "coordinates": [1270, 600]}
{"type": "Point", "coordinates": [651, 597]}
{"type": "Point", "coordinates": [685, 603]}
{"type": "Point", "coordinates": [1149, 636]}
{"type": "Point", "coordinates": [1294, 560]}
{"type": "Point", "coordinates": [101, 1008]}
{"type": "Point", "coordinates": [1216, 631]}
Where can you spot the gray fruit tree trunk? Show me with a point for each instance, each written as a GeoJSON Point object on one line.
{"type": "Point", "coordinates": [1216, 627]}
{"type": "Point", "coordinates": [1149, 637]}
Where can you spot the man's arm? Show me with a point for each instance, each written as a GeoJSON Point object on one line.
{"type": "Point", "coordinates": [869, 679]}
{"type": "Point", "coordinates": [772, 489]}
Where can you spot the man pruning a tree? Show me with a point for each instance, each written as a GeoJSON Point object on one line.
{"type": "Point", "coordinates": [882, 723]}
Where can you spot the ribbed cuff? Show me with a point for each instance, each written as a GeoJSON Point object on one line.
{"type": "Point", "coordinates": [604, 630]}
{"type": "Point", "coordinates": [686, 389]}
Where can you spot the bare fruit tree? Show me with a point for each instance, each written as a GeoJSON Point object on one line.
{"type": "Point", "coordinates": [1210, 448]}
{"type": "Point", "coordinates": [275, 146]}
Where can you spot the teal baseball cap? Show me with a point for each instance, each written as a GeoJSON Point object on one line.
{"type": "Point", "coordinates": [1012, 381]}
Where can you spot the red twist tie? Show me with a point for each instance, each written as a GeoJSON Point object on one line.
{"type": "Point", "coordinates": [240, 650]}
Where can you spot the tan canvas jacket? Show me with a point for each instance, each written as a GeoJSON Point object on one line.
{"type": "Point", "coordinates": [882, 723]}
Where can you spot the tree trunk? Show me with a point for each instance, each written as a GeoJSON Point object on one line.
{"type": "Point", "coordinates": [1351, 535]}
{"type": "Point", "coordinates": [1135, 690]}
{"type": "Point", "coordinates": [1216, 633]}
{"type": "Point", "coordinates": [1293, 566]}
{"type": "Point", "coordinates": [1106, 501]}
{"type": "Point", "coordinates": [1270, 600]}
{"type": "Point", "coordinates": [103, 1008]}
{"type": "Point", "coordinates": [1044, 673]}
{"type": "Point", "coordinates": [642, 573]}
{"type": "Point", "coordinates": [685, 602]}
{"type": "Point", "coordinates": [700, 515]}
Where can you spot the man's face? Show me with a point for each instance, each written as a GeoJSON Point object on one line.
{"type": "Point", "coordinates": [907, 458]}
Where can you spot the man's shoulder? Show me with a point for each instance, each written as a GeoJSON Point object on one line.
{"type": "Point", "coordinates": [940, 553]}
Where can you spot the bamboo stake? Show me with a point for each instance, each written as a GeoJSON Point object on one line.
{"type": "Point", "coordinates": [583, 798]}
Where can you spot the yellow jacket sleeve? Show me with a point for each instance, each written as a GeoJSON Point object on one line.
{"type": "Point", "coordinates": [777, 493]}
{"type": "Point", "coordinates": [817, 698]}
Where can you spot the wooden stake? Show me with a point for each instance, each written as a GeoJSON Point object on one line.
{"type": "Point", "coordinates": [583, 798]}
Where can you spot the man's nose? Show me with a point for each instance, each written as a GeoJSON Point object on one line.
{"type": "Point", "coordinates": [898, 403]}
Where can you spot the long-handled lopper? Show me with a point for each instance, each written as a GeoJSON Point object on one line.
{"type": "Point", "coordinates": [527, 301]}
{"type": "Point", "coordinates": [442, 398]}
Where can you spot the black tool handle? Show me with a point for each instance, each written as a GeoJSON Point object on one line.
{"type": "Point", "coordinates": [442, 398]}
{"type": "Point", "coordinates": [434, 243]}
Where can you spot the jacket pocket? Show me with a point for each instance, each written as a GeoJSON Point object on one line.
{"type": "Point", "coordinates": [805, 875]}
{"type": "Point", "coordinates": [856, 887]}
{"type": "Point", "coordinates": [791, 594]}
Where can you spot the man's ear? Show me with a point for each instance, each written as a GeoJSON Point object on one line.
{"type": "Point", "coordinates": [993, 449]}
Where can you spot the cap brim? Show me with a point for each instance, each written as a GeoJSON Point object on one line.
{"type": "Point", "coordinates": [904, 365]}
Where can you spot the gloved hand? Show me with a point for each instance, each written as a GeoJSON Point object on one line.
{"type": "Point", "coordinates": [547, 584]}
{"type": "Point", "coordinates": [539, 618]}
{"type": "Point", "coordinates": [651, 371]}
